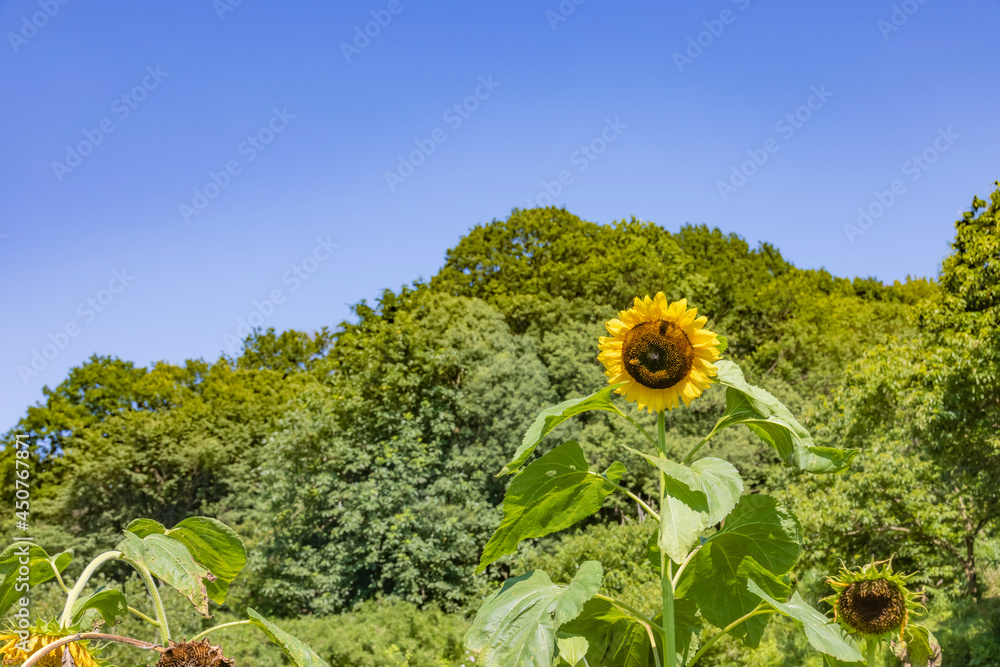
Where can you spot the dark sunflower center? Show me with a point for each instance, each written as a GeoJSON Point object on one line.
{"type": "Point", "coordinates": [657, 354]}
{"type": "Point", "coordinates": [873, 607]}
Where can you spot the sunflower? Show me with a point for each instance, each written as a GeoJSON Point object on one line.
{"type": "Point", "coordinates": [12, 654]}
{"type": "Point", "coordinates": [873, 603]}
{"type": "Point", "coordinates": [660, 351]}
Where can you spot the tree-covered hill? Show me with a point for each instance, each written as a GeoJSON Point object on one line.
{"type": "Point", "coordinates": [360, 462]}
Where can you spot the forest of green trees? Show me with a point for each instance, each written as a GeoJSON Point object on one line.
{"type": "Point", "coordinates": [358, 461]}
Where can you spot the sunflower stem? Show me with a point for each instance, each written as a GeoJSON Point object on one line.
{"type": "Point", "coordinates": [870, 645]}
{"type": "Point", "coordinates": [204, 633]}
{"type": "Point", "coordinates": [151, 621]}
{"type": "Point", "coordinates": [83, 636]}
{"type": "Point", "coordinates": [666, 565]}
{"type": "Point", "coordinates": [161, 614]}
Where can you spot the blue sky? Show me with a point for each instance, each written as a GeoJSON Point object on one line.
{"type": "Point", "coordinates": [167, 168]}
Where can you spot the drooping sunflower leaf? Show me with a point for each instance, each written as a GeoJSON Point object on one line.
{"type": "Point", "coordinates": [551, 494]}
{"type": "Point", "coordinates": [698, 496]}
{"type": "Point", "coordinates": [823, 634]}
{"type": "Point", "coordinates": [760, 540]}
{"type": "Point", "coordinates": [549, 418]}
{"type": "Point", "coordinates": [572, 648]}
{"type": "Point", "coordinates": [170, 561]}
{"type": "Point", "coordinates": [294, 649]}
{"type": "Point", "coordinates": [108, 602]}
{"type": "Point", "coordinates": [216, 546]}
{"type": "Point", "coordinates": [41, 568]}
{"type": "Point", "coordinates": [710, 485]}
{"type": "Point", "coordinates": [680, 525]}
{"type": "Point", "coordinates": [516, 626]}
{"type": "Point", "coordinates": [771, 421]}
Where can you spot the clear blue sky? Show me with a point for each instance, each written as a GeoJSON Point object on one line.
{"type": "Point", "coordinates": [115, 113]}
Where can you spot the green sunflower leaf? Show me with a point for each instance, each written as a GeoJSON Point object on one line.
{"type": "Point", "coordinates": [710, 486]}
{"type": "Point", "coordinates": [143, 527]}
{"type": "Point", "coordinates": [549, 418]}
{"type": "Point", "coordinates": [551, 494]}
{"type": "Point", "coordinates": [698, 496]}
{"type": "Point", "coordinates": [41, 568]}
{"type": "Point", "coordinates": [108, 602]}
{"type": "Point", "coordinates": [294, 649]}
{"type": "Point", "coordinates": [216, 546]}
{"type": "Point", "coordinates": [516, 626]}
{"type": "Point", "coordinates": [823, 634]}
{"type": "Point", "coordinates": [760, 540]}
{"type": "Point", "coordinates": [169, 560]}
{"type": "Point", "coordinates": [771, 421]}
{"type": "Point", "coordinates": [572, 648]}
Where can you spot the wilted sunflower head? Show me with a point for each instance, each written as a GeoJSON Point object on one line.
{"type": "Point", "coordinates": [660, 351]}
{"type": "Point", "coordinates": [870, 602]}
{"type": "Point", "coordinates": [11, 652]}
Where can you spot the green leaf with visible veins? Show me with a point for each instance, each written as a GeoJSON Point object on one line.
{"type": "Point", "coordinates": [766, 416]}
{"type": "Point", "coordinates": [516, 626]}
{"type": "Point", "coordinates": [823, 634]}
{"type": "Point", "coordinates": [169, 560]}
{"type": "Point", "coordinates": [294, 649]}
{"type": "Point", "coordinates": [698, 496]}
{"type": "Point", "coordinates": [549, 418]}
{"type": "Point", "coordinates": [552, 493]}
{"type": "Point", "coordinates": [108, 602]}
{"type": "Point", "coordinates": [572, 648]}
{"type": "Point", "coordinates": [216, 546]}
{"type": "Point", "coordinates": [760, 540]}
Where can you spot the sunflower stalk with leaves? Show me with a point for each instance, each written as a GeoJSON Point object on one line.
{"type": "Point", "coordinates": [199, 557]}
{"type": "Point", "coordinates": [723, 558]}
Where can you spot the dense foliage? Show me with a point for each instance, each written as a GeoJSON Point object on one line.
{"type": "Point", "coordinates": [359, 463]}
